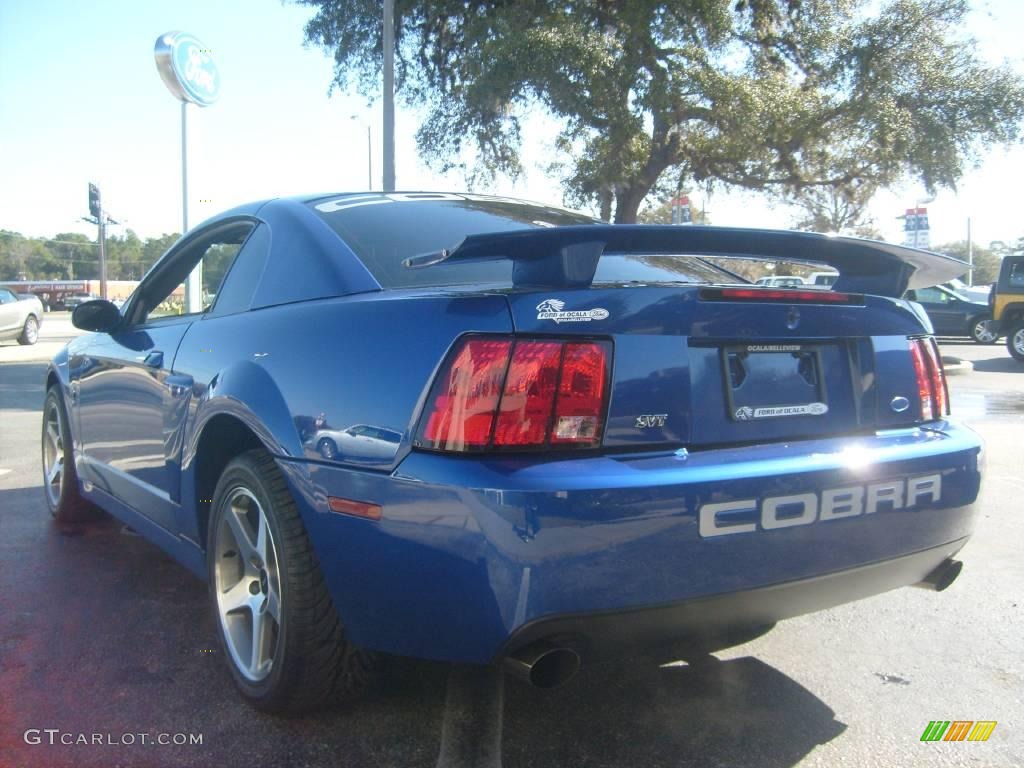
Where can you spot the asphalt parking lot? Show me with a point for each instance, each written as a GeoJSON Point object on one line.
{"type": "Point", "coordinates": [100, 633]}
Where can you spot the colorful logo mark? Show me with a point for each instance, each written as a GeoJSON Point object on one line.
{"type": "Point", "coordinates": [958, 730]}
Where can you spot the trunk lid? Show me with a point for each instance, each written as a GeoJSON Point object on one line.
{"type": "Point", "coordinates": [696, 369]}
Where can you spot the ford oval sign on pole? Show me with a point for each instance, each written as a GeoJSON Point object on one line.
{"type": "Point", "coordinates": [188, 71]}
{"type": "Point", "coordinates": [187, 68]}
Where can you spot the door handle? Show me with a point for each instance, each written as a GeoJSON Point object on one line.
{"type": "Point", "coordinates": [155, 359]}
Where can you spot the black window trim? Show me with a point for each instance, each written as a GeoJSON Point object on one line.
{"type": "Point", "coordinates": [199, 238]}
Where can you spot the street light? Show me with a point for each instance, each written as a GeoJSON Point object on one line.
{"type": "Point", "coordinates": [369, 154]}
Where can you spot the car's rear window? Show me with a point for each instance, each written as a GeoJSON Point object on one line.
{"type": "Point", "coordinates": [384, 230]}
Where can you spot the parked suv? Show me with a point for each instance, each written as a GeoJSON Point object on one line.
{"type": "Point", "coordinates": [1007, 303]}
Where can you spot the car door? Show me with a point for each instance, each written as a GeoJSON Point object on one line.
{"type": "Point", "coordinates": [945, 310]}
{"type": "Point", "coordinates": [10, 316]}
{"type": "Point", "coordinates": [131, 403]}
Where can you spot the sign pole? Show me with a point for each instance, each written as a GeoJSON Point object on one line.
{"type": "Point", "coordinates": [194, 282]}
{"type": "Point", "coordinates": [102, 219]}
{"type": "Point", "coordinates": [188, 71]}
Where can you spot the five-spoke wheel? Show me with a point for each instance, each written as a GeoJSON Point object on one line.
{"type": "Point", "coordinates": [247, 585]}
{"type": "Point", "coordinates": [60, 483]}
{"type": "Point", "coordinates": [285, 645]}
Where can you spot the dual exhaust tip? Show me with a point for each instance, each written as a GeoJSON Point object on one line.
{"type": "Point", "coordinates": [546, 665]}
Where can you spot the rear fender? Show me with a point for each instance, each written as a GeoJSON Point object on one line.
{"type": "Point", "coordinates": [246, 392]}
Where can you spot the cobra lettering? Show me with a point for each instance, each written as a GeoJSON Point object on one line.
{"type": "Point", "coordinates": [805, 508]}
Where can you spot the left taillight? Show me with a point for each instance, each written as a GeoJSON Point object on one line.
{"type": "Point", "coordinates": [933, 393]}
{"type": "Point", "coordinates": [502, 393]}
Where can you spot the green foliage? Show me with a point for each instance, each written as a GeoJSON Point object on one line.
{"type": "Point", "coordinates": [73, 256]}
{"type": "Point", "coordinates": [841, 209]}
{"type": "Point", "coordinates": [986, 260]}
{"type": "Point", "coordinates": [778, 95]}
{"type": "Point", "coordinates": [661, 213]}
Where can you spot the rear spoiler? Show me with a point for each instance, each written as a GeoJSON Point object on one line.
{"type": "Point", "coordinates": [566, 257]}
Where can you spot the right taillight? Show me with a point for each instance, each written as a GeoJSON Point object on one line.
{"type": "Point", "coordinates": [931, 378]}
{"type": "Point", "coordinates": [517, 394]}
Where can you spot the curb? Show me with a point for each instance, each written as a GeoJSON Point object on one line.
{"type": "Point", "coordinates": [954, 366]}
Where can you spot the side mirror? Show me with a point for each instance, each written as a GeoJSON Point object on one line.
{"type": "Point", "coordinates": [96, 315]}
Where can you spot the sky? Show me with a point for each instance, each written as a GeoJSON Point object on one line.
{"type": "Point", "coordinates": [81, 101]}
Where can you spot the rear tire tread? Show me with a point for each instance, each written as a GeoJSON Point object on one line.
{"type": "Point", "coordinates": [322, 665]}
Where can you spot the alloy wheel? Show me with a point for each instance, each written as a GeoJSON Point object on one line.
{"type": "Point", "coordinates": [248, 585]}
{"type": "Point", "coordinates": [53, 454]}
{"type": "Point", "coordinates": [1018, 341]}
{"type": "Point", "coordinates": [984, 332]}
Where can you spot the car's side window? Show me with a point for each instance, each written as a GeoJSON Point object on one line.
{"type": "Point", "coordinates": [6, 297]}
{"type": "Point", "coordinates": [239, 285]}
{"type": "Point", "coordinates": [931, 296]}
{"type": "Point", "coordinates": [1017, 275]}
{"type": "Point", "coordinates": [215, 262]}
{"type": "Point", "coordinates": [162, 293]}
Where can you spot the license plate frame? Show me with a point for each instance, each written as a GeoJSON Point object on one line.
{"type": "Point", "coordinates": [773, 380]}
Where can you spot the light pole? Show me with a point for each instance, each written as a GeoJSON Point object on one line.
{"type": "Point", "coordinates": [369, 154]}
{"type": "Point", "coordinates": [388, 128]}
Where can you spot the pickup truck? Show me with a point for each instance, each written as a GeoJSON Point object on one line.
{"type": "Point", "coordinates": [20, 317]}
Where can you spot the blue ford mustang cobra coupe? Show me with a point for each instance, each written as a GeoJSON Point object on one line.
{"type": "Point", "coordinates": [474, 429]}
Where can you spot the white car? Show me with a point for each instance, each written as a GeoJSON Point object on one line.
{"type": "Point", "coordinates": [20, 318]}
{"type": "Point", "coordinates": [360, 440]}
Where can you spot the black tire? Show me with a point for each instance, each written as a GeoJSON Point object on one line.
{"type": "Point", "coordinates": [980, 330]}
{"type": "Point", "coordinates": [30, 333]}
{"type": "Point", "coordinates": [63, 498]}
{"type": "Point", "coordinates": [1015, 341]}
{"type": "Point", "coordinates": [327, 448]}
{"type": "Point", "coordinates": [311, 661]}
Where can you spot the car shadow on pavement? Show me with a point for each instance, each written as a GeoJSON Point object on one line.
{"type": "Point", "coordinates": [1001, 364]}
{"type": "Point", "coordinates": [104, 634]}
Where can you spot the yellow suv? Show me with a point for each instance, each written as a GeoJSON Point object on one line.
{"type": "Point", "coordinates": [1007, 303]}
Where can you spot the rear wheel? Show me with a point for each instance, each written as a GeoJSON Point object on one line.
{"type": "Point", "coordinates": [1015, 340]}
{"type": "Point", "coordinates": [285, 645]}
{"type": "Point", "coordinates": [60, 483]}
{"type": "Point", "coordinates": [983, 330]}
{"type": "Point", "coordinates": [30, 333]}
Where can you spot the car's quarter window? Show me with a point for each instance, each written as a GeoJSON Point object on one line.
{"type": "Point", "coordinates": [239, 285]}
{"type": "Point", "coordinates": [162, 292]}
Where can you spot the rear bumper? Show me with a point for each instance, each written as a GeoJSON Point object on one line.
{"type": "Point", "coordinates": [706, 621]}
{"type": "Point", "coordinates": [473, 555]}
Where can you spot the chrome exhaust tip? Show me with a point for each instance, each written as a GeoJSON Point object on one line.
{"type": "Point", "coordinates": [944, 574]}
{"type": "Point", "coordinates": [543, 665]}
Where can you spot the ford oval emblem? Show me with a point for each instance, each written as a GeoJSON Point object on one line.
{"type": "Point", "coordinates": [899, 404]}
{"type": "Point", "coordinates": [187, 68]}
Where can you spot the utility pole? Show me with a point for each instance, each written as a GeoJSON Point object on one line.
{"type": "Point", "coordinates": [389, 96]}
{"type": "Point", "coordinates": [100, 219]}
